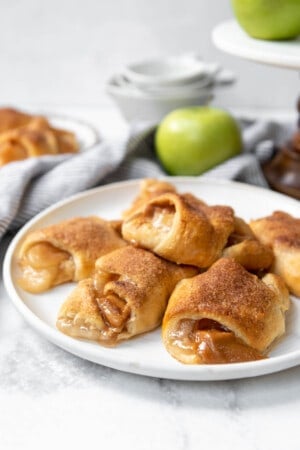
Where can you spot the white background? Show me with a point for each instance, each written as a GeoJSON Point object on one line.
{"type": "Point", "coordinates": [63, 51]}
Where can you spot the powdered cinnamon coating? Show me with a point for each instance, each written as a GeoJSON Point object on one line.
{"type": "Point", "coordinates": [196, 233]}
{"type": "Point", "coordinates": [127, 296]}
{"type": "Point", "coordinates": [84, 238]}
{"type": "Point", "coordinates": [280, 227]}
{"type": "Point", "coordinates": [233, 297]}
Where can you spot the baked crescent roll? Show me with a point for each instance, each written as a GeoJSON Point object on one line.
{"type": "Point", "coordinates": [149, 189]}
{"type": "Point", "coordinates": [23, 136]}
{"type": "Point", "coordinates": [126, 296]}
{"type": "Point", "coordinates": [11, 118]}
{"type": "Point", "coordinates": [26, 142]}
{"type": "Point", "coordinates": [181, 228]}
{"type": "Point", "coordinates": [34, 140]}
{"type": "Point", "coordinates": [66, 141]}
{"type": "Point", "coordinates": [64, 252]}
{"type": "Point", "coordinates": [281, 232]}
{"type": "Point", "coordinates": [224, 315]}
{"type": "Point", "coordinates": [248, 251]}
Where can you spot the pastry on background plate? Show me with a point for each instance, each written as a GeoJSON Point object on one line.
{"type": "Point", "coordinates": [224, 315]}
{"type": "Point", "coordinates": [181, 228]}
{"type": "Point", "coordinates": [127, 296]}
{"type": "Point", "coordinates": [281, 232]}
{"type": "Point", "coordinates": [11, 118]}
{"type": "Point", "coordinates": [64, 252]}
{"type": "Point", "coordinates": [23, 136]}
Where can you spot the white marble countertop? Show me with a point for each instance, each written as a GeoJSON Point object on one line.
{"type": "Point", "coordinates": [52, 399]}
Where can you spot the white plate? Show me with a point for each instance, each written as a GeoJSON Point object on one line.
{"type": "Point", "coordinates": [145, 354]}
{"type": "Point", "coordinates": [86, 134]}
{"type": "Point", "coordinates": [230, 38]}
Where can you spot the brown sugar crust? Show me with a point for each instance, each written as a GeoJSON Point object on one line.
{"type": "Point", "coordinates": [83, 239]}
{"type": "Point", "coordinates": [281, 232]}
{"type": "Point", "coordinates": [251, 308]}
{"type": "Point", "coordinates": [127, 296]}
{"type": "Point", "coordinates": [181, 228]}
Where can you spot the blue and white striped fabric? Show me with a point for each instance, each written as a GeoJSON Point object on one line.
{"type": "Point", "coordinates": [29, 186]}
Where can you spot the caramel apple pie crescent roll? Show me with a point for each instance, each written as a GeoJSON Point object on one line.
{"type": "Point", "coordinates": [64, 252]}
{"type": "Point", "coordinates": [181, 229]}
{"type": "Point", "coordinates": [224, 315]}
{"type": "Point", "coordinates": [281, 232]}
{"type": "Point", "coordinates": [149, 189]}
{"type": "Point", "coordinates": [126, 296]}
{"type": "Point", "coordinates": [23, 136]}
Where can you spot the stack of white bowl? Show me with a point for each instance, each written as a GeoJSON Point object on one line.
{"type": "Point", "coordinates": [148, 90]}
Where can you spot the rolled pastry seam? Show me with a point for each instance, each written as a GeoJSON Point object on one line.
{"type": "Point", "coordinates": [34, 141]}
{"type": "Point", "coordinates": [246, 249]}
{"type": "Point", "coordinates": [224, 315]}
{"type": "Point", "coordinates": [127, 296]}
{"type": "Point", "coordinates": [281, 232]}
{"type": "Point", "coordinates": [64, 252]}
{"type": "Point", "coordinates": [149, 189]}
{"type": "Point", "coordinates": [181, 229]}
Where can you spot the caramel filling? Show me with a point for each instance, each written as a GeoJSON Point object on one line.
{"type": "Point", "coordinates": [45, 266]}
{"type": "Point", "coordinates": [109, 315]}
{"type": "Point", "coordinates": [78, 327]}
{"type": "Point", "coordinates": [151, 226]}
{"type": "Point", "coordinates": [44, 255]}
{"type": "Point", "coordinates": [211, 343]}
{"type": "Point", "coordinates": [104, 327]}
{"type": "Point", "coordinates": [162, 218]}
{"type": "Point", "coordinates": [114, 311]}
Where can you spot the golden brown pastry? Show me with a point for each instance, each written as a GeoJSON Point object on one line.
{"type": "Point", "coordinates": [11, 118]}
{"type": "Point", "coordinates": [224, 315]}
{"type": "Point", "coordinates": [23, 136]}
{"type": "Point", "coordinates": [64, 252]}
{"type": "Point", "coordinates": [31, 141]}
{"type": "Point", "coordinates": [248, 251]}
{"type": "Point", "coordinates": [150, 188]}
{"type": "Point", "coordinates": [25, 142]}
{"type": "Point", "coordinates": [181, 228]}
{"type": "Point", "coordinates": [66, 141]}
{"type": "Point", "coordinates": [127, 296]}
{"type": "Point", "coordinates": [281, 232]}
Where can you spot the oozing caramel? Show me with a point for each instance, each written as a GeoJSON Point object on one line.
{"type": "Point", "coordinates": [211, 343]}
{"type": "Point", "coordinates": [219, 347]}
{"type": "Point", "coordinates": [44, 255]}
{"type": "Point", "coordinates": [45, 266]}
{"type": "Point", "coordinates": [114, 310]}
{"type": "Point", "coordinates": [156, 222]}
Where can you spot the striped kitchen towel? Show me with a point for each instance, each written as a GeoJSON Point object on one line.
{"type": "Point", "coordinates": [29, 186]}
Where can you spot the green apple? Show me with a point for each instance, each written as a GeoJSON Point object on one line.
{"type": "Point", "coordinates": [269, 19]}
{"type": "Point", "coordinates": [192, 140]}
